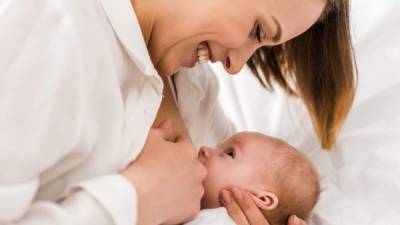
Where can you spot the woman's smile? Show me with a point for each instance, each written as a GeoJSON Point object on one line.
{"type": "Point", "coordinates": [202, 54]}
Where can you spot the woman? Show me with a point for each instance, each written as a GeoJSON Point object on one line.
{"type": "Point", "coordinates": [80, 88]}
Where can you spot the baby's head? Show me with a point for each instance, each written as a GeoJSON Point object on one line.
{"type": "Point", "coordinates": [281, 180]}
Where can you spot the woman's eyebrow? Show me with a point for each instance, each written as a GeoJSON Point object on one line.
{"type": "Point", "coordinates": [278, 35]}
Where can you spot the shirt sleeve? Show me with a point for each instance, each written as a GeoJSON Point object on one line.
{"type": "Point", "coordinates": [42, 121]}
{"type": "Point", "coordinates": [101, 201]}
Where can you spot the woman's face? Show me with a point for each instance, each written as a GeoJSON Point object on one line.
{"type": "Point", "coordinates": [232, 29]}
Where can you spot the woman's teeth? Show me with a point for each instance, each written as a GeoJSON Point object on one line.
{"type": "Point", "coordinates": [203, 54]}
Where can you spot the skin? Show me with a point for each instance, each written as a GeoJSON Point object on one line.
{"type": "Point", "coordinates": [238, 162]}
{"type": "Point", "coordinates": [174, 30]}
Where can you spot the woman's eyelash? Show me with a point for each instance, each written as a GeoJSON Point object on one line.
{"type": "Point", "coordinates": [258, 32]}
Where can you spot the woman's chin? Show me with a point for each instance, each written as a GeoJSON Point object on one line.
{"type": "Point", "coordinates": [168, 68]}
{"type": "Point", "coordinates": [165, 69]}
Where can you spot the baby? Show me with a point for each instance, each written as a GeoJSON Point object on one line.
{"type": "Point", "coordinates": [280, 179]}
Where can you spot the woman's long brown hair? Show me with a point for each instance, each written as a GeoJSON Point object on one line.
{"type": "Point", "coordinates": [319, 67]}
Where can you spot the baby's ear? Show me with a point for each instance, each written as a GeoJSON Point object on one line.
{"type": "Point", "coordinates": [265, 200]}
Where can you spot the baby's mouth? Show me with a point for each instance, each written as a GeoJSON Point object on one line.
{"type": "Point", "coordinates": [203, 53]}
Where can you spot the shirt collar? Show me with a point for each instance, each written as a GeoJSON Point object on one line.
{"type": "Point", "coordinates": [126, 26]}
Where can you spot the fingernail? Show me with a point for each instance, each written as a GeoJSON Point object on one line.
{"type": "Point", "coordinates": [226, 197]}
{"type": "Point", "coordinates": [296, 220]}
{"type": "Point", "coordinates": [237, 193]}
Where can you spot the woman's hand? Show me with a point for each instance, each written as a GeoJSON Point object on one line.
{"type": "Point", "coordinates": [244, 211]}
{"type": "Point", "coordinates": [168, 178]}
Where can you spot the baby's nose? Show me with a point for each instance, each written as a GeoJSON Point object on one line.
{"type": "Point", "coordinates": [205, 152]}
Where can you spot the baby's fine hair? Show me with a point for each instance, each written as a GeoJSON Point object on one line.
{"type": "Point", "coordinates": [297, 184]}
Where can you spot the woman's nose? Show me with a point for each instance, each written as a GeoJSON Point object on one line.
{"type": "Point", "coordinates": [205, 152]}
{"type": "Point", "coordinates": [237, 58]}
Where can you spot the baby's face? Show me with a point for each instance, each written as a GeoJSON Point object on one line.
{"type": "Point", "coordinates": [237, 162]}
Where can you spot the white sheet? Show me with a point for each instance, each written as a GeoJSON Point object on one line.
{"type": "Point", "coordinates": [217, 216]}
{"type": "Point", "coordinates": [362, 175]}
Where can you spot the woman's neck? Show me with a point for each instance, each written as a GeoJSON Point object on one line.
{"type": "Point", "coordinates": [146, 12]}
{"type": "Point", "coordinates": [169, 111]}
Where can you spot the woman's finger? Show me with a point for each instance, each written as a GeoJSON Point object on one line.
{"type": "Point", "coordinates": [249, 208]}
{"type": "Point", "coordinates": [234, 211]}
{"type": "Point", "coordinates": [294, 220]}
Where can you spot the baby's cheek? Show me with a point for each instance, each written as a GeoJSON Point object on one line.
{"type": "Point", "coordinates": [213, 184]}
{"type": "Point", "coordinates": [211, 195]}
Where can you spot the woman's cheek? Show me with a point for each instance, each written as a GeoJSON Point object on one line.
{"type": "Point", "coordinates": [231, 42]}
{"type": "Point", "coordinates": [234, 34]}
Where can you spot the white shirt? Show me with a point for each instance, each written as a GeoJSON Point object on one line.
{"type": "Point", "coordinates": [78, 94]}
{"type": "Point", "coordinates": [217, 216]}
{"type": "Point", "coordinates": [198, 105]}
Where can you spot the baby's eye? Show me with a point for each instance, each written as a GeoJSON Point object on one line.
{"type": "Point", "coordinates": [230, 152]}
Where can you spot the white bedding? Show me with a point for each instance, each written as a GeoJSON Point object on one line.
{"type": "Point", "coordinates": [362, 175]}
